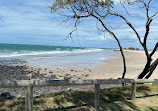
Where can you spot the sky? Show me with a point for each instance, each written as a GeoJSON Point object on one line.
{"type": "Point", "coordinates": [30, 22]}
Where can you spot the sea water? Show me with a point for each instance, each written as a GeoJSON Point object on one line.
{"type": "Point", "coordinates": [56, 56]}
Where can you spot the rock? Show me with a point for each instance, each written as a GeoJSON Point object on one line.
{"type": "Point", "coordinates": [41, 76]}
{"type": "Point", "coordinates": [79, 78]}
{"type": "Point", "coordinates": [53, 77]}
{"type": "Point", "coordinates": [67, 75]}
{"type": "Point", "coordinates": [67, 78]}
{"type": "Point", "coordinates": [30, 71]}
{"type": "Point", "coordinates": [69, 89]}
{"type": "Point", "coordinates": [50, 72]}
{"type": "Point", "coordinates": [86, 75]}
{"type": "Point", "coordinates": [7, 95]}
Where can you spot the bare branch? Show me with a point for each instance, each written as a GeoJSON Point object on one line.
{"type": "Point", "coordinates": [121, 50]}
{"type": "Point", "coordinates": [129, 24]}
{"type": "Point", "coordinates": [147, 31]}
{"type": "Point", "coordinates": [154, 50]}
{"type": "Point", "coordinates": [154, 15]}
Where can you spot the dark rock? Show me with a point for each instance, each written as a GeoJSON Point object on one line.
{"type": "Point", "coordinates": [67, 75]}
{"type": "Point", "coordinates": [67, 78]}
{"type": "Point", "coordinates": [38, 72]}
{"type": "Point", "coordinates": [86, 75]}
{"type": "Point", "coordinates": [69, 89]}
{"type": "Point", "coordinates": [42, 76]}
{"type": "Point", "coordinates": [53, 77]}
{"type": "Point", "coordinates": [50, 72]}
{"type": "Point", "coordinates": [79, 78]}
{"type": "Point", "coordinates": [7, 95]}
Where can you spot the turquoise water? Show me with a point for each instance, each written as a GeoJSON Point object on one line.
{"type": "Point", "coordinates": [19, 50]}
{"type": "Point", "coordinates": [23, 47]}
{"type": "Point", "coordinates": [55, 56]}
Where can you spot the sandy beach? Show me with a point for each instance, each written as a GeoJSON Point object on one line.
{"type": "Point", "coordinates": [135, 62]}
{"type": "Point", "coordinates": [112, 68]}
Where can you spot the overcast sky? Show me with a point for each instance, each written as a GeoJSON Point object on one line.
{"type": "Point", "coordinates": [30, 22]}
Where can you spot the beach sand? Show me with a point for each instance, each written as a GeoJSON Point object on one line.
{"type": "Point", "coordinates": [110, 69]}
{"type": "Point", "coordinates": [135, 62]}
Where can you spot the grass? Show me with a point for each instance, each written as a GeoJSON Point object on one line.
{"type": "Point", "coordinates": [113, 99]}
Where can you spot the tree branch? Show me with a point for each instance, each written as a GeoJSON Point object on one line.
{"type": "Point", "coordinates": [146, 36]}
{"type": "Point", "coordinates": [121, 50]}
{"type": "Point", "coordinates": [152, 68]}
{"type": "Point", "coordinates": [129, 24]}
{"type": "Point", "coordinates": [155, 48]}
{"type": "Point", "coordinates": [154, 15]}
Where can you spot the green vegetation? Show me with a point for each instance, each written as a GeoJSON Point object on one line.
{"type": "Point", "coordinates": [132, 48]}
{"type": "Point", "coordinates": [113, 99]}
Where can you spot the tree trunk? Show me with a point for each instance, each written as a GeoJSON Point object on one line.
{"type": "Point", "coordinates": [118, 42]}
{"type": "Point", "coordinates": [124, 62]}
{"type": "Point", "coordinates": [146, 69]}
{"type": "Point", "coordinates": [152, 68]}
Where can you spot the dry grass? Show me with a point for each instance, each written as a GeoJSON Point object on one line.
{"type": "Point", "coordinates": [113, 99]}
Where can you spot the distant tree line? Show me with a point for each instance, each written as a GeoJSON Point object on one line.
{"type": "Point", "coordinates": [132, 48]}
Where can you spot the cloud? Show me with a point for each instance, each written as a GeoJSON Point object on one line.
{"type": "Point", "coordinates": [103, 37]}
{"type": "Point", "coordinates": [30, 21]}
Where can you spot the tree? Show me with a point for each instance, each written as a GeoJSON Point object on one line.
{"type": "Point", "coordinates": [101, 10]}
{"type": "Point", "coordinates": [149, 67]}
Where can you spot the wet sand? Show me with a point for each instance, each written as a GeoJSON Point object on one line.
{"type": "Point", "coordinates": [113, 68]}
{"type": "Point", "coordinates": [110, 69]}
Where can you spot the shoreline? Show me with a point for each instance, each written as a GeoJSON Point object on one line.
{"type": "Point", "coordinates": [88, 60]}
{"type": "Point", "coordinates": [111, 68]}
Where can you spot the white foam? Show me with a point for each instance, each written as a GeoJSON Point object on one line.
{"type": "Point", "coordinates": [15, 52]}
{"type": "Point", "coordinates": [102, 58]}
{"type": "Point", "coordinates": [58, 52]}
{"type": "Point", "coordinates": [42, 58]}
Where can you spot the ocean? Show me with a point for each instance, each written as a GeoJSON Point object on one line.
{"type": "Point", "coordinates": [55, 56]}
